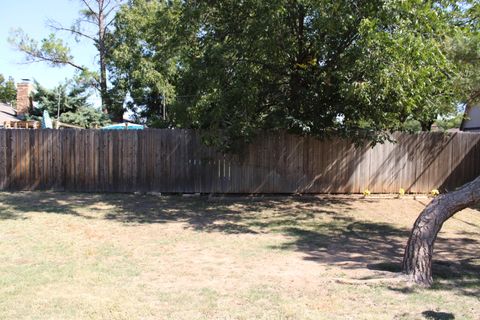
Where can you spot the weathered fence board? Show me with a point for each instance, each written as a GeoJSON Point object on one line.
{"type": "Point", "coordinates": [177, 161]}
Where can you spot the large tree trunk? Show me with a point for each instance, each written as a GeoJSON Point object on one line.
{"type": "Point", "coordinates": [102, 54]}
{"type": "Point", "coordinates": [417, 260]}
{"type": "Point", "coordinates": [426, 125]}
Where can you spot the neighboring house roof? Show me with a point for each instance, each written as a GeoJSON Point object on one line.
{"type": "Point", "coordinates": [7, 113]}
{"type": "Point", "coordinates": [471, 121]}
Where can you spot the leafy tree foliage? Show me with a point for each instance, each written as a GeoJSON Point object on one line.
{"type": "Point", "coordinates": [144, 60]}
{"type": "Point", "coordinates": [312, 67]}
{"type": "Point", "coordinates": [443, 123]}
{"type": "Point", "coordinates": [51, 50]}
{"type": "Point", "coordinates": [8, 91]}
{"type": "Point", "coordinates": [71, 102]}
{"type": "Point", "coordinates": [451, 122]}
{"type": "Point", "coordinates": [86, 117]}
{"type": "Point", "coordinates": [465, 50]}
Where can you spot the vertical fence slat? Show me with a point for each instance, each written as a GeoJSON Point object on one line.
{"type": "Point", "coordinates": [3, 160]}
{"type": "Point", "coordinates": [177, 161]}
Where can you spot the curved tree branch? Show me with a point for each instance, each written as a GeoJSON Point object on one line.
{"type": "Point", "coordinates": [417, 260]}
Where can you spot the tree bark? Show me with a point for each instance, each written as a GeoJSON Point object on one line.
{"type": "Point", "coordinates": [298, 29]}
{"type": "Point", "coordinates": [102, 54]}
{"type": "Point", "coordinates": [417, 260]}
{"type": "Point", "coordinates": [426, 125]}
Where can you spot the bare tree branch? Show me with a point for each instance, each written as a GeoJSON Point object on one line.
{"type": "Point", "coordinates": [105, 6]}
{"type": "Point", "coordinates": [108, 24]}
{"type": "Point", "coordinates": [111, 9]}
{"type": "Point", "coordinates": [78, 21]}
{"type": "Point", "coordinates": [59, 27]}
{"type": "Point", "coordinates": [90, 8]}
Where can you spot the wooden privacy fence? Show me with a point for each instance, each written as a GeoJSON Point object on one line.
{"type": "Point", "coordinates": [177, 161]}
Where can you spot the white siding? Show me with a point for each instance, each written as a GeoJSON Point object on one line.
{"type": "Point", "coordinates": [473, 122]}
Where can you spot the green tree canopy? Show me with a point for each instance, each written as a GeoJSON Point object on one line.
{"type": "Point", "coordinates": [71, 102]}
{"type": "Point", "coordinates": [235, 68]}
{"type": "Point", "coordinates": [8, 90]}
{"type": "Point", "coordinates": [145, 56]}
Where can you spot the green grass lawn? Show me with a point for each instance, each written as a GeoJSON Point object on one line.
{"type": "Point", "coordinates": [122, 256]}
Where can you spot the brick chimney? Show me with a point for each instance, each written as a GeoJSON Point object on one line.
{"type": "Point", "coordinates": [24, 99]}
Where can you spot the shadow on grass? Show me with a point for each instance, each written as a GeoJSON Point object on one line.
{"type": "Point", "coordinates": [433, 315]}
{"type": "Point", "coordinates": [19, 204]}
{"type": "Point", "coordinates": [319, 228]}
{"type": "Point", "coordinates": [5, 214]}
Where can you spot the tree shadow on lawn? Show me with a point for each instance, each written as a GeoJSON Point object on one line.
{"type": "Point", "coordinates": [380, 247]}
{"type": "Point", "coordinates": [434, 315]}
{"type": "Point", "coordinates": [15, 206]}
{"type": "Point", "coordinates": [319, 228]}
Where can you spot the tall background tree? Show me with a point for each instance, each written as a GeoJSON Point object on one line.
{"type": "Point", "coordinates": [93, 24]}
{"type": "Point", "coordinates": [145, 57]}
{"type": "Point", "coordinates": [234, 68]}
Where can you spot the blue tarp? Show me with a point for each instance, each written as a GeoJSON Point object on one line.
{"type": "Point", "coordinates": [46, 120]}
{"type": "Point", "coordinates": [124, 126]}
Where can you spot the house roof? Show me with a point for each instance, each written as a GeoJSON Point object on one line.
{"type": "Point", "coordinates": [7, 113]}
{"type": "Point", "coordinates": [471, 119]}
